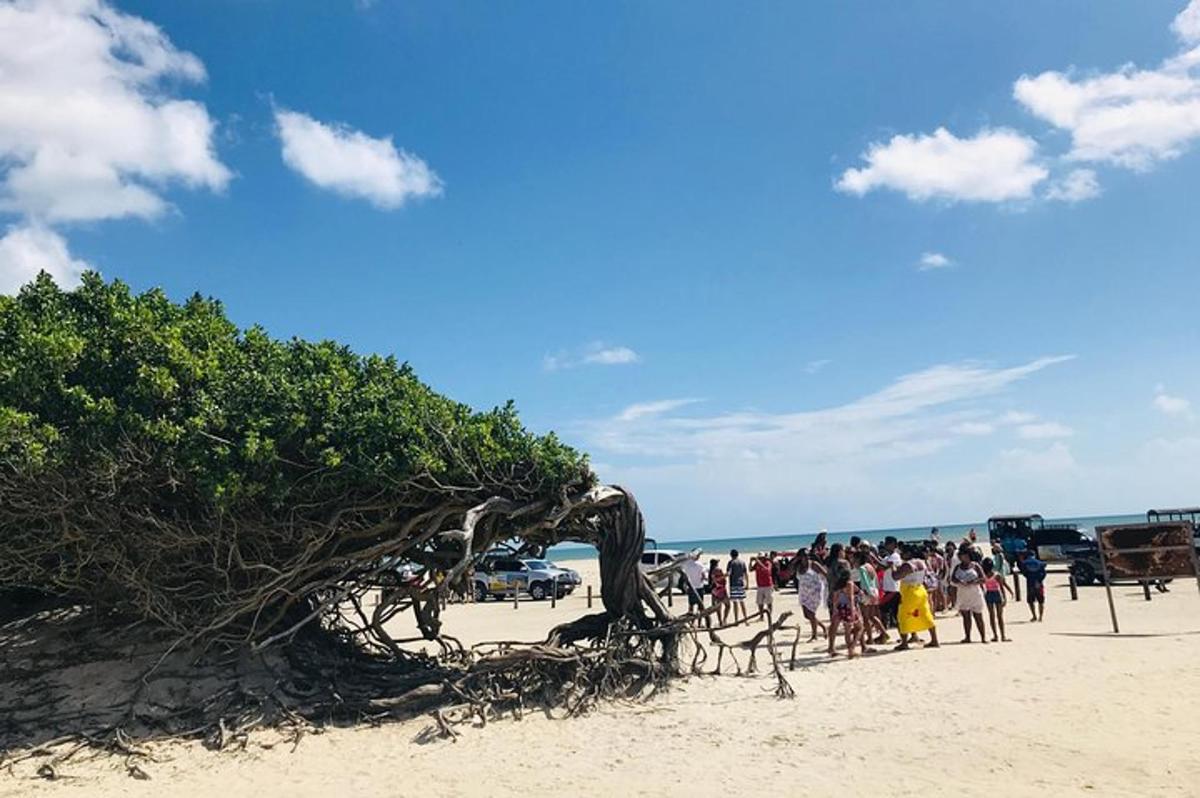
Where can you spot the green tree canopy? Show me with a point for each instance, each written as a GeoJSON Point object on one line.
{"type": "Point", "coordinates": [157, 460]}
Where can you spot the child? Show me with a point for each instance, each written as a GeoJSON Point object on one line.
{"type": "Point", "coordinates": [1034, 571]}
{"type": "Point", "coordinates": [844, 611]}
{"type": "Point", "coordinates": [994, 587]}
{"type": "Point", "coordinates": [811, 589]}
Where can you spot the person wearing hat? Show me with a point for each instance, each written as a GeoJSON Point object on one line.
{"type": "Point", "coordinates": [693, 580]}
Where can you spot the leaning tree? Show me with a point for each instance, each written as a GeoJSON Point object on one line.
{"type": "Point", "coordinates": [219, 503]}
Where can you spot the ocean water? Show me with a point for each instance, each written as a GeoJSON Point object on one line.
{"type": "Point", "coordinates": [757, 544]}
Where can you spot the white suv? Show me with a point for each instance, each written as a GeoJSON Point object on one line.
{"type": "Point", "coordinates": [653, 559]}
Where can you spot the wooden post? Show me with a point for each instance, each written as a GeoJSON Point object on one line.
{"type": "Point", "coordinates": [1017, 585]}
{"type": "Point", "coordinates": [1146, 589]}
{"type": "Point", "coordinates": [554, 593]}
{"type": "Point", "coordinates": [513, 587]}
{"type": "Point", "coordinates": [1071, 584]}
{"type": "Point", "coordinates": [670, 594]}
{"type": "Point", "coordinates": [589, 596]}
{"type": "Point", "coordinates": [1112, 608]}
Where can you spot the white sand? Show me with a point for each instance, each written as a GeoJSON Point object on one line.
{"type": "Point", "coordinates": [1067, 709]}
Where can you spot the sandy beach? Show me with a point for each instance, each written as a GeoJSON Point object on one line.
{"type": "Point", "coordinates": [1067, 708]}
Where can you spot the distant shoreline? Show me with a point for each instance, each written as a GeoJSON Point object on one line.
{"type": "Point", "coordinates": [786, 542]}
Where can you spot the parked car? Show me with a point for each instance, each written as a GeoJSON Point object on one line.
{"type": "Point", "coordinates": [785, 569]}
{"type": "Point", "coordinates": [499, 576]}
{"type": "Point", "coordinates": [401, 573]}
{"type": "Point", "coordinates": [653, 559]}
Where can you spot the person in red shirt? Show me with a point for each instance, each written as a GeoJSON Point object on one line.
{"type": "Point", "coordinates": [764, 582]}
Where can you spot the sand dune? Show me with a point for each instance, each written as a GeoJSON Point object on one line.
{"type": "Point", "coordinates": [1066, 708]}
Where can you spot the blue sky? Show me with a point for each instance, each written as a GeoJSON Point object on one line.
{"type": "Point", "coordinates": [775, 266]}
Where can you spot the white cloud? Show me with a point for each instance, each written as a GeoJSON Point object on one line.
{"type": "Point", "coordinates": [25, 251]}
{"type": "Point", "coordinates": [814, 366]}
{"type": "Point", "coordinates": [1029, 463]}
{"type": "Point", "coordinates": [88, 127]}
{"type": "Point", "coordinates": [864, 460]}
{"type": "Point", "coordinates": [933, 260]}
{"type": "Point", "coordinates": [1044, 430]}
{"type": "Point", "coordinates": [994, 165]}
{"type": "Point", "coordinates": [1171, 405]}
{"type": "Point", "coordinates": [612, 356]}
{"type": "Point", "coordinates": [596, 353]}
{"type": "Point", "coordinates": [649, 409]}
{"type": "Point", "coordinates": [973, 428]}
{"type": "Point", "coordinates": [914, 414]}
{"type": "Point", "coordinates": [1014, 417]}
{"type": "Point", "coordinates": [1076, 186]}
{"type": "Point", "coordinates": [1128, 117]}
{"type": "Point", "coordinates": [1187, 24]}
{"type": "Point", "coordinates": [351, 163]}
{"type": "Point", "coordinates": [1131, 118]}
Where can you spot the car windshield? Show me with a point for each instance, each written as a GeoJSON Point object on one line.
{"type": "Point", "coordinates": [540, 565]}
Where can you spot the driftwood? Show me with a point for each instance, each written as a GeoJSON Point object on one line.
{"type": "Point", "coordinates": [765, 636]}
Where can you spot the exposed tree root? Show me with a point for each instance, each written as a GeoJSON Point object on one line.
{"type": "Point", "coordinates": [76, 683]}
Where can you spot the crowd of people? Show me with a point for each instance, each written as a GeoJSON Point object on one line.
{"type": "Point", "coordinates": [861, 592]}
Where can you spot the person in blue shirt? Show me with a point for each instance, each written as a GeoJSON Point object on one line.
{"type": "Point", "coordinates": [1034, 571]}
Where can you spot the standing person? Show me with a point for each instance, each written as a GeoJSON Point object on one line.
{"type": "Point", "coordinates": [915, 614]}
{"type": "Point", "coordinates": [1034, 571]}
{"type": "Point", "coordinates": [868, 597]}
{"type": "Point", "coordinates": [764, 583]}
{"type": "Point", "coordinates": [999, 561]}
{"type": "Point", "coordinates": [810, 585]}
{"type": "Point", "coordinates": [971, 542]}
{"type": "Point", "coordinates": [930, 577]}
{"type": "Point", "coordinates": [951, 558]}
{"type": "Point", "coordinates": [994, 588]}
{"type": "Point", "coordinates": [889, 602]}
{"type": "Point", "coordinates": [693, 581]}
{"type": "Point", "coordinates": [836, 561]}
{"type": "Point", "coordinates": [935, 582]}
{"type": "Point", "coordinates": [719, 588]}
{"type": "Point", "coordinates": [1002, 568]}
{"type": "Point", "coordinates": [844, 611]}
{"type": "Point", "coordinates": [968, 578]}
{"type": "Point", "coordinates": [819, 550]}
{"type": "Point", "coordinates": [737, 586]}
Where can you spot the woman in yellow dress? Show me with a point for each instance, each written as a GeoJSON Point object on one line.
{"type": "Point", "coordinates": [914, 614]}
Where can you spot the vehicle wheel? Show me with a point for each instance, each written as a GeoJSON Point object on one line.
{"type": "Point", "coordinates": [1084, 573]}
{"type": "Point", "coordinates": [537, 591]}
{"type": "Point", "coordinates": [481, 593]}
